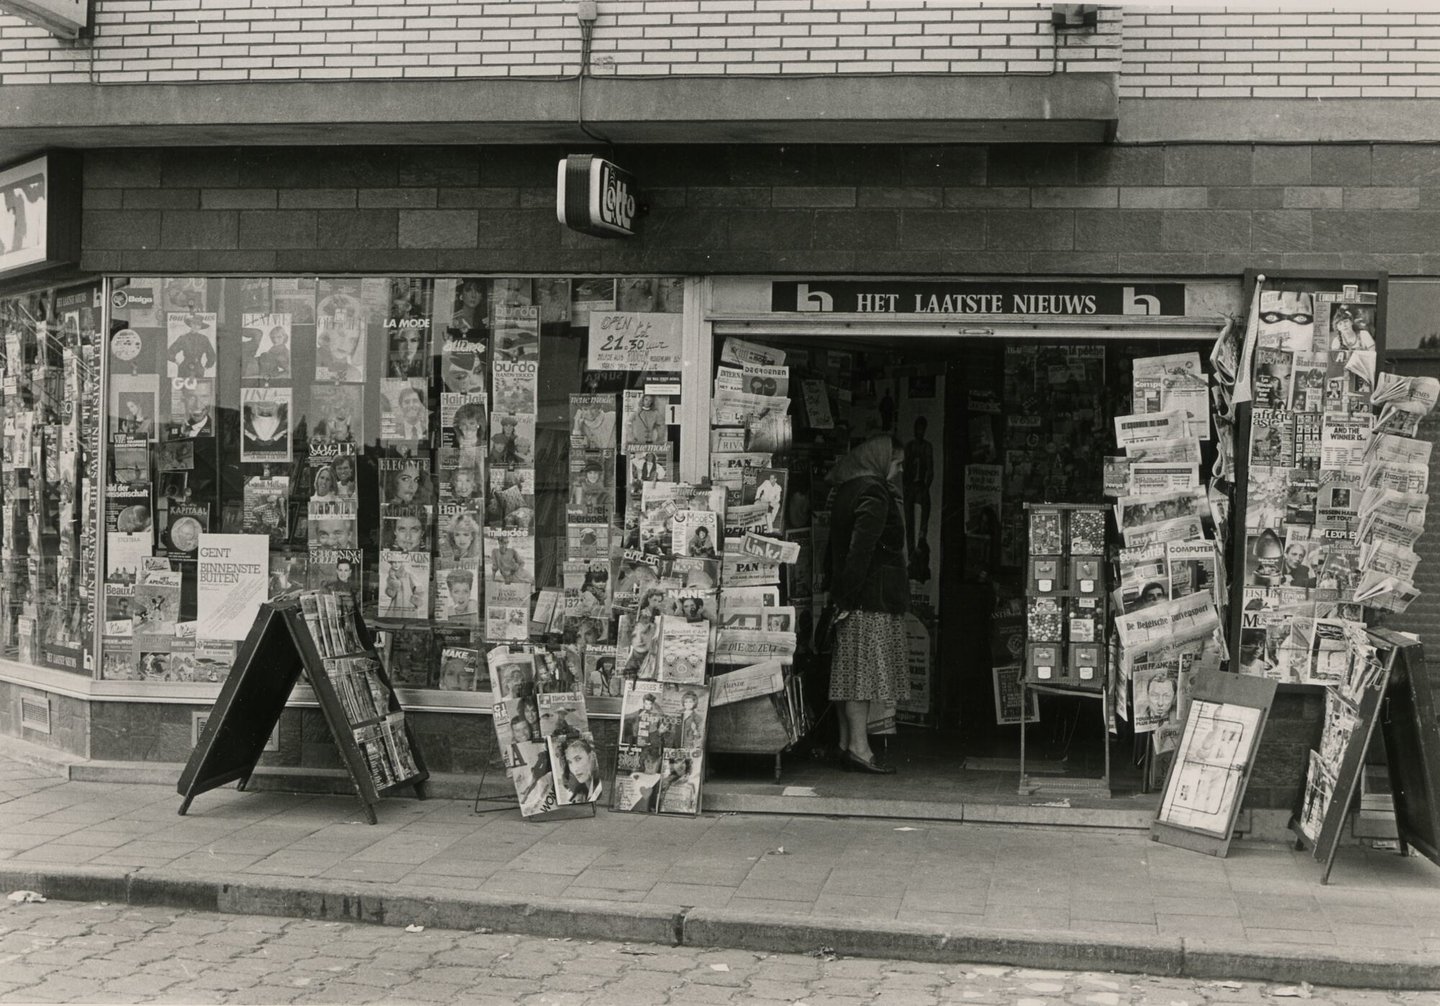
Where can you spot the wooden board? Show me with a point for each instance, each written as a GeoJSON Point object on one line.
{"type": "Point", "coordinates": [1206, 784]}
{"type": "Point", "coordinates": [1412, 748]}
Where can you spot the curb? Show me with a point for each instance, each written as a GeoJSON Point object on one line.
{"type": "Point", "coordinates": [400, 905]}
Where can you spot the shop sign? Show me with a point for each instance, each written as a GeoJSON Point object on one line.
{"type": "Point", "coordinates": [39, 222]}
{"type": "Point", "coordinates": [595, 196]}
{"type": "Point", "coordinates": [1060, 300]}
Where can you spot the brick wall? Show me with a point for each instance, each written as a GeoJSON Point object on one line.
{"type": "Point", "coordinates": [1252, 52]}
{"type": "Point", "coordinates": [168, 41]}
{"type": "Point", "coordinates": [1179, 210]}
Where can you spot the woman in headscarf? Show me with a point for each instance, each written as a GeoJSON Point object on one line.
{"type": "Point", "coordinates": [870, 588]}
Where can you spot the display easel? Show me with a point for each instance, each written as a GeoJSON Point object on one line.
{"type": "Point", "coordinates": [278, 649]}
{"type": "Point", "coordinates": [1411, 729]}
{"type": "Point", "coordinates": [1352, 761]}
{"type": "Point", "coordinates": [1211, 768]}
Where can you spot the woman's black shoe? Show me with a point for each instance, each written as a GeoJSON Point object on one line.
{"type": "Point", "coordinates": [854, 763]}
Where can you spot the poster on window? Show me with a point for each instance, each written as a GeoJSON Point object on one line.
{"type": "Point", "coordinates": [190, 345]}
{"type": "Point", "coordinates": [621, 340]}
{"type": "Point", "coordinates": [231, 582]}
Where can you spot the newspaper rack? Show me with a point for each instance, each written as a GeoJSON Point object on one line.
{"type": "Point", "coordinates": [278, 649]}
{"type": "Point", "coordinates": [766, 718]}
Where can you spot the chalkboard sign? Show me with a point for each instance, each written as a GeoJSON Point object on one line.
{"type": "Point", "coordinates": [1352, 709]}
{"type": "Point", "coordinates": [1412, 748]}
{"type": "Point", "coordinates": [1212, 762]}
{"type": "Point", "coordinates": [354, 694]}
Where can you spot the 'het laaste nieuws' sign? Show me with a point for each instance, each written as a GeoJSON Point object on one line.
{"type": "Point", "coordinates": [1062, 299]}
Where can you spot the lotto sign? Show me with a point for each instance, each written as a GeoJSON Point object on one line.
{"type": "Point", "coordinates": [625, 340]}
{"type": "Point", "coordinates": [596, 197]}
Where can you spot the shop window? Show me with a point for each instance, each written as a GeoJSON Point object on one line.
{"type": "Point", "coordinates": [406, 439]}
{"type": "Point", "coordinates": [47, 559]}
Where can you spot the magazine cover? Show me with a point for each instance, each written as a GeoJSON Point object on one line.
{"type": "Point", "coordinates": [185, 523]}
{"type": "Point", "coordinates": [645, 418]}
{"type": "Point", "coordinates": [1273, 378]}
{"type": "Point", "coordinates": [266, 511]}
{"type": "Point", "coordinates": [514, 383]}
{"type": "Point", "coordinates": [648, 465]}
{"type": "Point", "coordinates": [512, 439]}
{"type": "Point", "coordinates": [590, 295]}
{"type": "Point", "coordinates": [507, 610]}
{"type": "Point", "coordinates": [696, 573]}
{"type": "Point", "coordinates": [336, 419]}
{"type": "Point", "coordinates": [512, 729]}
{"type": "Point", "coordinates": [265, 430]}
{"type": "Point", "coordinates": [766, 486]}
{"type": "Point", "coordinates": [464, 422]}
{"type": "Point", "coordinates": [460, 669]}
{"type": "Point", "coordinates": [456, 593]}
{"type": "Point", "coordinates": [512, 674]}
{"type": "Point", "coordinates": [334, 530]}
{"type": "Point", "coordinates": [340, 329]}
{"type": "Point", "coordinates": [288, 571]}
{"type": "Point", "coordinates": [155, 608]}
{"type": "Point", "coordinates": [662, 738]}
{"type": "Point", "coordinates": [461, 477]}
{"type": "Point", "coordinates": [407, 329]}
{"type": "Point", "coordinates": [1287, 321]}
{"type": "Point", "coordinates": [190, 345]}
{"type": "Point", "coordinates": [463, 358]}
{"type": "Point", "coordinates": [404, 482]}
{"type": "Point", "coordinates": [336, 570]}
{"type": "Point", "coordinates": [405, 412]}
{"type": "Point", "coordinates": [592, 487]}
{"type": "Point", "coordinates": [406, 528]}
{"type": "Point", "coordinates": [516, 334]}
{"type": "Point", "coordinates": [683, 647]}
{"type": "Point", "coordinates": [265, 347]}
{"type": "Point", "coordinates": [134, 406]}
{"type": "Point", "coordinates": [593, 422]}
{"type": "Point", "coordinates": [511, 556]}
{"type": "Point", "coordinates": [511, 505]}
{"type": "Point", "coordinates": [404, 585]}
{"type": "Point", "coordinates": [459, 538]}
{"type": "Point", "coordinates": [192, 407]}
{"type": "Point", "coordinates": [573, 753]}
{"type": "Point", "coordinates": [601, 678]}
{"type": "Point", "coordinates": [587, 541]}
{"type": "Point", "coordinates": [1307, 385]}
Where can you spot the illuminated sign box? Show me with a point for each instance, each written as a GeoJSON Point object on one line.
{"type": "Point", "coordinates": [596, 197]}
{"type": "Point", "coordinates": [39, 214]}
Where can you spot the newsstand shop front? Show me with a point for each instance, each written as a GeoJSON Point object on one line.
{"type": "Point", "coordinates": [571, 479]}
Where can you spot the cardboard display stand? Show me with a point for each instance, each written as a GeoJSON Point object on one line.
{"type": "Point", "coordinates": [271, 659]}
{"type": "Point", "coordinates": [1213, 761]}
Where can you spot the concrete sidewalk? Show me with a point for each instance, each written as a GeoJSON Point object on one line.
{"type": "Point", "coordinates": [1041, 897]}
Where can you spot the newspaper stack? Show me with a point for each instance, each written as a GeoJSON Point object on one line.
{"type": "Point", "coordinates": [1170, 591]}
{"type": "Point", "coordinates": [1390, 515]}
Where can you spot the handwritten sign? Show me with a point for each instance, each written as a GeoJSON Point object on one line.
{"type": "Point", "coordinates": [625, 340]}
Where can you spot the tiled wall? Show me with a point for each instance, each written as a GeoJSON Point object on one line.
{"type": "Point", "coordinates": [168, 41]}
{"type": "Point", "coordinates": [1180, 210]}
{"type": "Point", "coordinates": [1261, 51]}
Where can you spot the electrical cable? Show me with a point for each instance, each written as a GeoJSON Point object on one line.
{"type": "Point", "coordinates": [587, 34]}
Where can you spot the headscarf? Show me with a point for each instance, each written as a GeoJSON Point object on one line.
{"type": "Point", "coordinates": [872, 457]}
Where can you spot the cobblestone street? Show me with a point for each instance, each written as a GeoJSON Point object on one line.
{"type": "Point", "coordinates": [99, 953]}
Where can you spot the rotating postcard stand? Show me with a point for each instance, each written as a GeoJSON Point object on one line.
{"type": "Point", "coordinates": [354, 694]}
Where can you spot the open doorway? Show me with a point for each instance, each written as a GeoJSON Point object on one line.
{"type": "Point", "coordinates": [989, 424]}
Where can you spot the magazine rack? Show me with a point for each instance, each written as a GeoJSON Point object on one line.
{"type": "Point", "coordinates": [279, 648]}
{"type": "Point", "coordinates": [1329, 823]}
{"type": "Point", "coordinates": [501, 802]}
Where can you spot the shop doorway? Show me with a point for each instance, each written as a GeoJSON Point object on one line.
{"type": "Point", "coordinates": [989, 424]}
